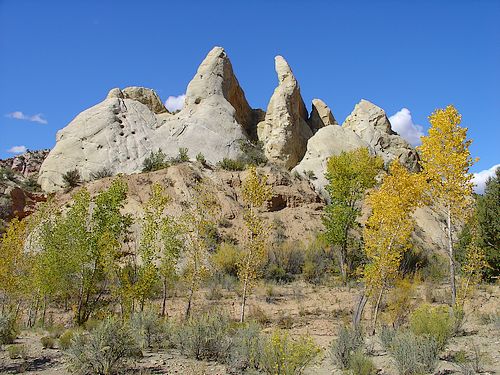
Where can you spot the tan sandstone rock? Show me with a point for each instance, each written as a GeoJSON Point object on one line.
{"type": "Point", "coordinates": [321, 115]}
{"type": "Point", "coordinates": [285, 130]}
{"type": "Point", "coordinates": [370, 123]}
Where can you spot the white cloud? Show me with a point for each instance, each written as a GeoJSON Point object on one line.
{"type": "Point", "coordinates": [175, 103]}
{"type": "Point", "coordinates": [403, 124]}
{"type": "Point", "coordinates": [480, 178]}
{"type": "Point", "coordinates": [18, 115]}
{"type": "Point", "coordinates": [17, 149]}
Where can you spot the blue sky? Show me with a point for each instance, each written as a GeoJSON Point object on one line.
{"type": "Point", "coordinates": [61, 57]}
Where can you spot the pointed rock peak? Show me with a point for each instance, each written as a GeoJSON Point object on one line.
{"type": "Point", "coordinates": [282, 69]}
{"type": "Point", "coordinates": [366, 113]}
{"type": "Point", "coordinates": [321, 115]}
{"type": "Point", "coordinates": [215, 78]}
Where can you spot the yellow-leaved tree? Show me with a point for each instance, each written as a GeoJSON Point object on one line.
{"type": "Point", "coordinates": [256, 192]}
{"type": "Point", "coordinates": [445, 160]}
{"type": "Point", "coordinates": [388, 229]}
{"type": "Point", "coordinates": [199, 222]}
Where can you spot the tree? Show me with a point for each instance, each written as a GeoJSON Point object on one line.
{"type": "Point", "coordinates": [388, 229]}
{"type": "Point", "coordinates": [78, 245]}
{"type": "Point", "coordinates": [159, 248]}
{"type": "Point", "coordinates": [255, 194]}
{"type": "Point", "coordinates": [14, 265]}
{"type": "Point", "coordinates": [445, 160]}
{"type": "Point", "coordinates": [349, 175]}
{"type": "Point", "coordinates": [199, 221]}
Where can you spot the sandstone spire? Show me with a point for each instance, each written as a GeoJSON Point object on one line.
{"type": "Point", "coordinates": [284, 131]}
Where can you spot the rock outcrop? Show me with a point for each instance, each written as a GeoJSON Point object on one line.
{"type": "Point", "coordinates": [321, 115]}
{"type": "Point", "coordinates": [371, 124]}
{"type": "Point", "coordinates": [120, 132]}
{"type": "Point", "coordinates": [328, 141]}
{"type": "Point", "coordinates": [285, 131]}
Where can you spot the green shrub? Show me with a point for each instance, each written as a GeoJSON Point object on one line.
{"type": "Point", "coordinates": [318, 261]}
{"type": "Point", "coordinates": [282, 355]}
{"type": "Point", "coordinates": [72, 178]}
{"type": "Point", "coordinates": [310, 175]}
{"type": "Point", "coordinates": [101, 173]}
{"type": "Point", "coordinates": [48, 342]}
{"type": "Point", "coordinates": [65, 339]}
{"type": "Point", "coordinates": [231, 165]}
{"type": "Point", "coordinates": [434, 322]}
{"type": "Point", "coordinates": [226, 258]}
{"type": "Point", "coordinates": [183, 154]}
{"type": "Point", "coordinates": [361, 364]}
{"type": "Point", "coordinates": [31, 184]}
{"type": "Point", "coordinates": [200, 158]}
{"type": "Point", "coordinates": [8, 329]}
{"type": "Point", "coordinates": [285, 261]}
{"type": "Point", "coordinates": [6, 173]}
{"type": "Point", "coordinates": [204, 337]}
{"type": "Point", "coordinates": [151, 330]}
{"type": "Point", "coordinates": [413, 354]}
{"type": "Point", "coordinates": [347, 343]}
{"type": "Point", "coordinates": [155, 161]}
{"type": "Point", "coordinates": [252, 153]}
{"type": "Point", "coordinates": [386, 336]}
{"type": "Point", "coordinates": [245, 349]}
{"type": "Point", "coordinates": [103, 350]}
{"type": "Point", "coordinates": [17, 351]}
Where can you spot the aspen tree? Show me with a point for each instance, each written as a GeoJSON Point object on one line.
{"type": "Point", "coordinates": [388, 229]}
{"type": "Point", "coordinates": [255, 193]}
{"type": "Point", "coordinates": [445, 160]}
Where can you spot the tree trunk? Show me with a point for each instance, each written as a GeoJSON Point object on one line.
{"type": "Point", "coordinates": [358, 313]}
{"type": "Point", "coordinates": [188, 308]}
{"type": "Point", "coordinates": [164, 301]}
{"type": "Point", "coordinates": [342, 264]}
{"type": "Point", "coordinates": [377, 306]}
{"type": "Point", "coordinates": [451, 256]}
{"type": "Point", "coordinates": [244, 300]}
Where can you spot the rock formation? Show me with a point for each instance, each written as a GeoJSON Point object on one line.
{"type": "Point", "coordinates": [121, 131]}
{"type": "Point", "coordinates": [321, 115]}
{"type": "Point", "coordinates": [328, 141]}
{"type": "Point", "coordinates": [285, 131]}
{"type": "Point", "coordinates": [371, 123]}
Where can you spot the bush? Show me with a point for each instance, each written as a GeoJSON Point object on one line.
{"type": "Point", "coordinates": [152, 331]}
{"type": "Point", "coordinates": [253, 153]}
{"type": "Point", "coordinates": [181, 157]}
{"type": "Point", "coordinates": [72, 178]}
{"type": "Point", "coordinates": [285, 261]}
{"type": "Point", "coordinates": [17, 351]}
{"type": "Point", "coordinates": [231, 165]}
{"type": "Point", "coordinates": [101, 173]}
{"type": "Point", "coordinates": [226, 258]}
{"type": "Point", "coordinates": [204, 337]}
{"type": "Point", "coordinates": [6, 173]}
{"type": "Point", "coordinates": [245, 348]}
{"type": "Point", "coordinates": [414, 355]}
{"type": "Point", "coordinates": [8, 331]}
{"type": "Point", "coordinates": [200, 158]}
{"type": "Point", "coordinates": [282, 355]}
{"type": "Point", "coordinates": [318, 261]}
{"type": "Point", "coordinates": [155, 161]}
{"type": "Point", "coordinates": [31, 184]}
{"type": "Point", "coordinates": [347, 343]}
{"type": "Point", "coordinates": [434, 322]}
{"type": "Point", "coordinates": [48, 342]}
{"type": "Point", "coordinates": [386, 336]}
{"type": "Point", "coordinates": [361, 364]}
{"type": "Point", "coordinates": [400, 301]}
{"type": "Point", "coordinates": [103, 350]}
{"type": "Point", "coordinates": [310, 175]}
{"type": "Point", "coordinates": [65, 339]}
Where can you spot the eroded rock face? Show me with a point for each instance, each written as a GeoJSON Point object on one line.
{"type": "Point", "coordinates": [285, 131]}
{"type": "Point", "coordinates": [321, 115]}
{"type": "Point", "coordinates": [371, 124]}
{"type": "Point", "coordinates": [328, 141]}
{"type": "Point", "coordinates": [120, 132]}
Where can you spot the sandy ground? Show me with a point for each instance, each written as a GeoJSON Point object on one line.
{"type": "Point", "coordinates": [303, 309]}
